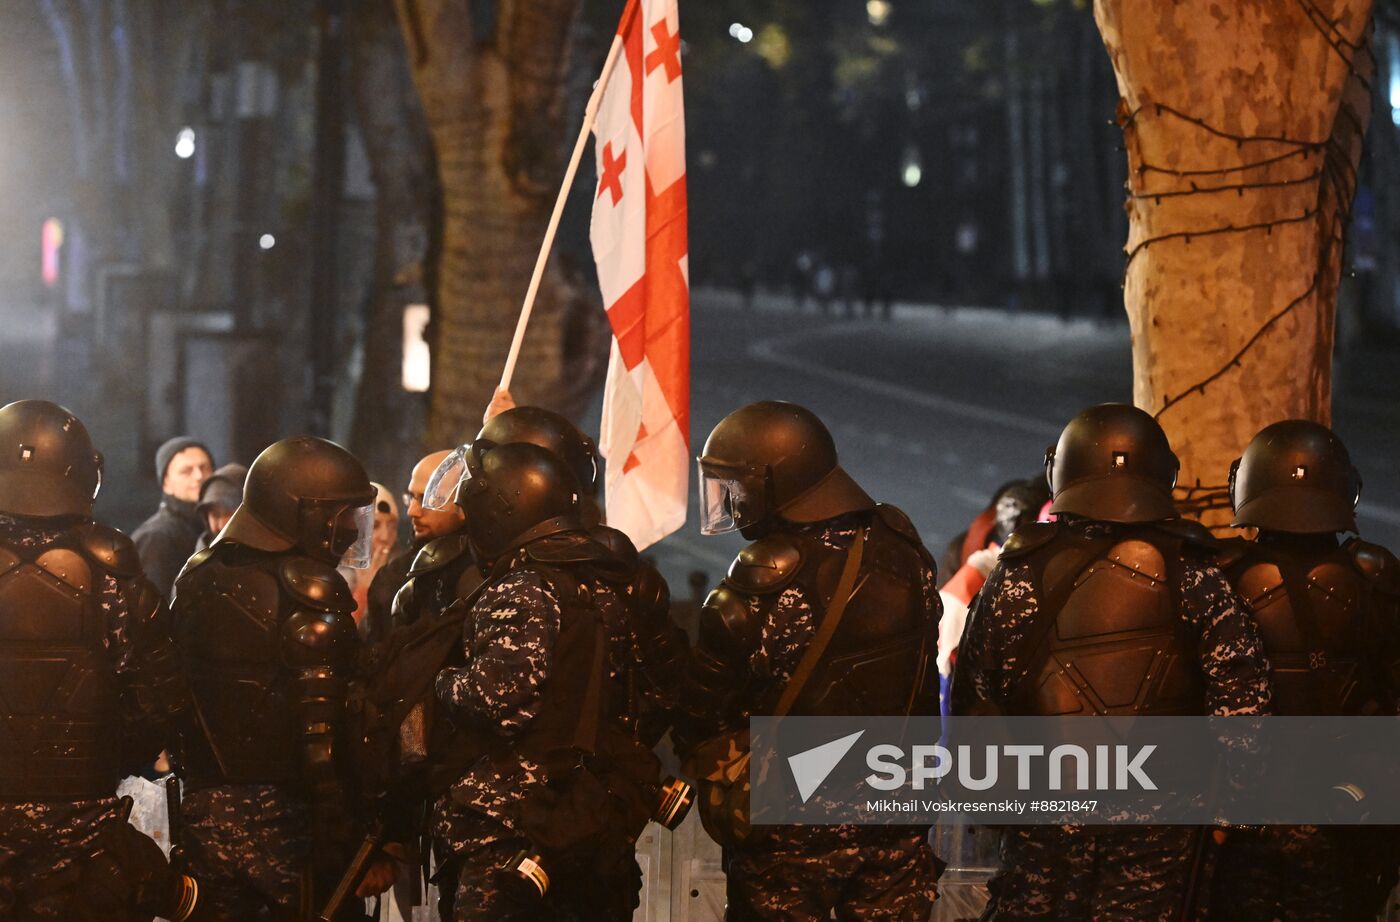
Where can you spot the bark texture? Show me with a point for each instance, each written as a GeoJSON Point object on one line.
{"type": "Point", "coordinates": [1243, 122]}
{"type": "Point", "coordinates": [494, 95]}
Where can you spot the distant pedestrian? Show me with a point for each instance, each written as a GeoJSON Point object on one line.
{"type": "Point", "coordinates": [220, 495]}
{"type": "Point", "coordinates": [168, 538]}
{"type": "Point", "coordinates": [824, 286]}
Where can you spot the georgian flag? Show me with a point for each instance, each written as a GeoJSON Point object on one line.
{"type": "Point", "coordinates": [639, 242]}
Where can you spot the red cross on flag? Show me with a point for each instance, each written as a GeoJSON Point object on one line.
{"type": "Point", "coordinates": [639, 243]}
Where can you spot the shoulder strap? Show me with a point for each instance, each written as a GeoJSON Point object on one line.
{"type": "Point", "coordinates": [827, 629]}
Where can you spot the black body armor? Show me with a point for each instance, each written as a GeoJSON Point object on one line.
{"type": "Point", "coordinates": [1109, 637]}
{"type": "Point", "coordinates": [880, 660]}
{"type": "Point", "coordinates": [266, 640]}
{"type": "Point", "coordinates": [1326, 614]}
{"type": "Point", "coordinates": [62, 733]}
{"type": "Point", "coordinates": [443, 571]}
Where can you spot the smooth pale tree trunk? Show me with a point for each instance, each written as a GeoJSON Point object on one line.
{"type": "Point", "coordinates": [494, 97]}
{"type": "Point", "coordinates": [1243, 123]}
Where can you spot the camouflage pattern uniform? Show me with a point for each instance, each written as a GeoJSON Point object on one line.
{"type": "Point", "coordinates": [803, 872]}
{"type": "Point", "coordinates": [1317, 873]}
{"type": "Point", "coordinates": [41, 842]}
{"type": "Point", "coordinates": [1136, 873]}
{"type": "Point", "coordinates": [249, 845]}
{"type": "Point", "coordinates": [508, 644]}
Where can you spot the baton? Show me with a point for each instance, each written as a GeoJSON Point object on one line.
{"type": "Point", "coordinates": [351, 878]}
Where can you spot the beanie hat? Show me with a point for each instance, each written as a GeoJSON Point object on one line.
{"type": "Point", "coordinates": [167, 452]}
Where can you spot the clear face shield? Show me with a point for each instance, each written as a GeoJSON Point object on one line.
{"type": "Point", "coordinates": [722, 494]}
{"type": "Point", "coordinates": [355, 527]}
{"type": "Point", "coordinates": [441, 491]}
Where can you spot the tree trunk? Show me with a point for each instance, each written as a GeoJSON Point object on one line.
{"type": "Point", "coordinates": [1243, 124]}
{"type": "Point", "coordinates": [387, 426]}
{"type": "Point", "coordinates": [494, 104]}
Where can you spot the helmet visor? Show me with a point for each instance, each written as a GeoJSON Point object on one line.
{"type": "Point", "coordinates": [441, 491]}
{"type": "Point", "coordinates": [359, 521]}
{"type": "Point", "coordinates": [719, 497]}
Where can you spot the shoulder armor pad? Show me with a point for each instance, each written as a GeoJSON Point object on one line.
{"type": "Point", "coordinates": [569, 547]}
{"type": "Point", "coordinates": [1191, 532]}
{"type": "Point", "coordinates": [895, 519]}
{"type": "Point", "coordinates": [1231, 552]}
{"type": "Point", "coordinates": [766, 566]}
{"type": "Point", "coordinates": [1030, 537]}
{"type": "Point", "coordinates": [318, 585]}
{"type": "Point", "coordinates": [109, 549]}
{"type": "Point", "coordinates": [616, 541]}
{"type": "Point", "coordinates": [438, 553]}
{"type": "Point", "coordinates": [726, 623]}
{"type": "Point", "coordinates": [324, 638]}
{"type": "Point", "coordinates": [1376, 564]}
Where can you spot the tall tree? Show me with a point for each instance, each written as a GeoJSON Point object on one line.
{"type": "Point", "coordinates": [492, 78]}
{"type": "Point", "coordinates": [1243, 124]}
{"type": "Point", "coordinates": [396, 141]}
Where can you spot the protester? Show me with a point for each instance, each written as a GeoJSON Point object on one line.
{"type": "Point", "coordinates": [168, 538]}
{"type": "Point", "coordinates": [219, 497]}
{"type": "Point", "coordinates": [428, 525]}
{"type": "Point", "coordinates": [384, 543]}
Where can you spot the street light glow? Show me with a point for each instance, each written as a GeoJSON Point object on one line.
{"type": "Point", "coordinates": [184, 143]}
{"type": "Point", "coordinates": [267, 241]}
{"type": "Point", "coordinates": [741, 32]}
{"type": "Point", "coordinates": [878, 11]}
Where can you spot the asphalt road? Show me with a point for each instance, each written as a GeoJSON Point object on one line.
{"type": "Point", "coordinates": [935, 408]}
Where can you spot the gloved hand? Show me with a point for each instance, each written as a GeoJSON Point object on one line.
{"type": "Point", "coordinates": [985, 560]}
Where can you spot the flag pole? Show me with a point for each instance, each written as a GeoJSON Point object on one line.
{"type": "Point", "coordinates": [590, 115]}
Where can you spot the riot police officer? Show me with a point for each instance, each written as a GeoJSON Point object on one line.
{"type": "Point", "coordinates": [1329, 615]}
{"type": "Point", "coordinates": [660, 648]}
{"type": "Point", "coordinates": [551, 787]}
{"type": "Point", "coordinates": [264, 629]}
{"type": "Point", "coordinates": [770, 470]}
{"type": "Point", "coordinates": [1116, 573]}
{"type": "Point", "coordinates": [87, 684]}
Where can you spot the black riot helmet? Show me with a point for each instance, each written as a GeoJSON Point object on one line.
{"type": "Point", "coordinates": [1113, 463]}
{"type": "Point", "coordinates": [514, 494]}
{"type": "Point", "coordinates": [768, 461]}
{"type": "Point", "coordinates": [48, 466]}
{"type": "Point", "coordinates": [550, 431]}
{"type": "Point", "coordinates": [309, 494]}
{"type": "Point", "coordinates": [1295, 476]}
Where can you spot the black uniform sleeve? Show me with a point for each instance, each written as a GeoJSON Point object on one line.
{"type": "Point", "coordinates": [154, 692]}
{"type": "Point", "coordinates": [661, 651]}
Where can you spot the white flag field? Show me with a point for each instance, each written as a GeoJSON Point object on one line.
{"type": "Point", "coordinates": [640, 245]}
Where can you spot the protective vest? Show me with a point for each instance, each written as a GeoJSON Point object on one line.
{"type": "Point", "coordinates": [879, 661]}
{"type": "Point", "coordinates": [1109, 637]}
{"type": "Point", "coordinates": [442, 572]}
{"type": "Point", "coordinates": [59, 695]}
{"type": "Point", "coordinates": [1317, 615]}
{"type": "Point", "coordinates": [231, 607]}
